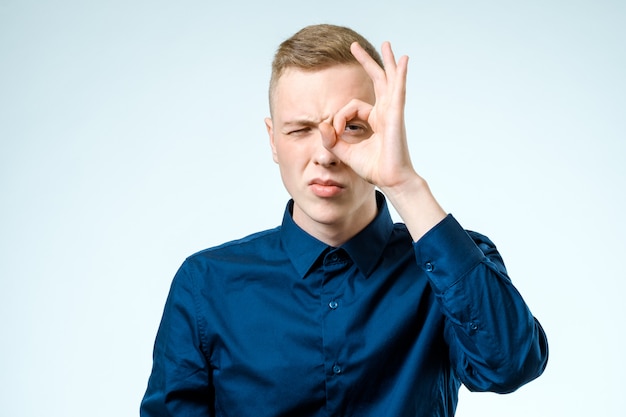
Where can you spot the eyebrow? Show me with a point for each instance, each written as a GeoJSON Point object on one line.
{"type": "Point", "coordinates": [302, 121]}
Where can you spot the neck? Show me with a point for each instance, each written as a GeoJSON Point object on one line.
{"type": "Point", "coordinates": [335, 231]}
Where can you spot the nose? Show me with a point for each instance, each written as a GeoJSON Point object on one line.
{"type": "Point", "coordinates": [323, 156]}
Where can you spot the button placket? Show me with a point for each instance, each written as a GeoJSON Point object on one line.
{"type": "Point", "coordinates": [336, 264]}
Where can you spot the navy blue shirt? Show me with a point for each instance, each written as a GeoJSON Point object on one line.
{"type": "Point", "coordinates": [281, 324]}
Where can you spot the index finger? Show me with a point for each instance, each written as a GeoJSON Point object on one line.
{"type": "Point", "coordinates": [376, 73]}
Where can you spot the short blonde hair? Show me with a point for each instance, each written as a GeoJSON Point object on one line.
{"type": "Point", "coordinates": [318, 47]}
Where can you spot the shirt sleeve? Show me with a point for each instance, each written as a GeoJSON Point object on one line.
{"type": "Point", "coordinates": [495, 342]}
{"type": "Point", "coordinates": [180, 382]}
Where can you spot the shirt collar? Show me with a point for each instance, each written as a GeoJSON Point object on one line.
{"type": "Point", "coordinates": [365, 248]}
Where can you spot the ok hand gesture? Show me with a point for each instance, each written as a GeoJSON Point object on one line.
{"type": "Point", "coordinates": [383, 158]}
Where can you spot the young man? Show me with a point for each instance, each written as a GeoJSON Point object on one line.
{"type": "Point", "coordinates": [339, 312]}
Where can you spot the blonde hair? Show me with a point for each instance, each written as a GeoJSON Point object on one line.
{"type": "Point", "coordinates": [318, 47]}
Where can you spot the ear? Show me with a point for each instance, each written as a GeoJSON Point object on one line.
{"type": "Point", "coordinates": [269, 125]}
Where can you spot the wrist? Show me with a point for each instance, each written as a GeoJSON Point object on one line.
{"type": "Point", "coordinates": [415, 204]}
{"type": "Point", "coordinates": [411, 186]}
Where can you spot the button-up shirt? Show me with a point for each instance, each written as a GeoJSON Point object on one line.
{"type": "Point", "coordinates": [281, 324]}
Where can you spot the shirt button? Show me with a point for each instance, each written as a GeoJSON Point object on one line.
{"type": "Point", "coordinates": [333, 304]}
{"type": "Point", "coordinates": [429, 267]}
{"type": "Point", "coordinates": [336, 369]}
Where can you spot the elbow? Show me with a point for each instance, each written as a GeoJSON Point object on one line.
{"type": "Point", "coordinates": [510, 379]}
{"type": "Point", "coordinates": [515, 370]}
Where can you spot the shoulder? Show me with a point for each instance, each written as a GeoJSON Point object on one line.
{"type": "Point", "coordinates": [217, 269]}
{"type": "Point", "coordinates": [246, 247]}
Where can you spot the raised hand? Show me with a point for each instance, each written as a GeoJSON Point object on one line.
{"type": "Point", "coordinates": [382, 158]}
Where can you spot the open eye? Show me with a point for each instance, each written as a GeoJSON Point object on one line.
{"type": "Point", "coordinates": [358, 129]}
{"type": "Point", "coordinates": [353, 128]}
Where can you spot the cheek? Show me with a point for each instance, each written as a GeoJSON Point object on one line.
{"type": "Point", "coordinates": [284, 159]}
{"type": "Point", "coordinates": [289, 155]}
{"type": "Point", "coordinates": [289, 165]}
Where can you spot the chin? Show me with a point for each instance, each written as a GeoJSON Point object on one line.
{"type": "Point", "coordinates": [322, 212]}
{"type": "Point", "coordinates": [326, 215]}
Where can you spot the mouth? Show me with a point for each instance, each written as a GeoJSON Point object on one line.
{"type": "Point", "coordinates": [325, 188]}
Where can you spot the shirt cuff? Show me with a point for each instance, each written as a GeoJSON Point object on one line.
{"type": "Point", "coordinates": [446, 253]}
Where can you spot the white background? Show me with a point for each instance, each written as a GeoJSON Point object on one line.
{"type": "Point", "coordinates": [131, 135]}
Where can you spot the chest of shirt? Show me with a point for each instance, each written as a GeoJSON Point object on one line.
{"type": "Point", "coordinates": [272, 335]}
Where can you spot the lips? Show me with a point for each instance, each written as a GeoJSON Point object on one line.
{"type": "Point", "coordinates": [325, 188]}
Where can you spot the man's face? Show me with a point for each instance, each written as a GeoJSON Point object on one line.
{"type": "Point", "coordinates": [327, 194]}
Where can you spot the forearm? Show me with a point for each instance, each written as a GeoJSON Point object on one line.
{"type": "Point", "coordinates": [180, 380]}
{"type": "Point", "coordinates": [495, 342]}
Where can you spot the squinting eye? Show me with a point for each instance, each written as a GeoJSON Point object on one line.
{"type": "Point", "coordinates": [302, 131]}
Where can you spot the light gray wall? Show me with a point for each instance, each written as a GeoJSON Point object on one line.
{"type": "Point", "coordinates": [131, 135]}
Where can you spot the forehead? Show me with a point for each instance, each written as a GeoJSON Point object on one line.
{"type": "Point", "coordinates": [327, 89]}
